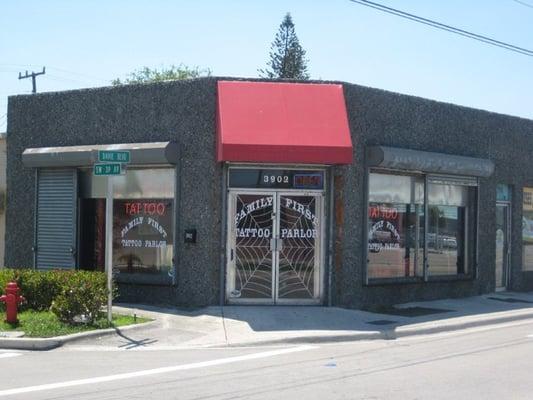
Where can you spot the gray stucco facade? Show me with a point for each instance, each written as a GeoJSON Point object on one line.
{"type": "Point", "coordinates": [185, 112]}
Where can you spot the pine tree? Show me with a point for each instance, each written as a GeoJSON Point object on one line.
{"type": "Point", "coordinates": [287, 57]}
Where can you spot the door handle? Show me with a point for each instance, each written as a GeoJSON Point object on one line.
{"type": "Point", "coordinates": [276, 244]}
{"type": "Point", "coordinates": [231, 255]}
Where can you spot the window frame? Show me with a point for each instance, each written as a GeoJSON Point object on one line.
{"type": "Point", "coordinates": [175, 222]}
{"type": "Point", "coordinates": [470, 249]}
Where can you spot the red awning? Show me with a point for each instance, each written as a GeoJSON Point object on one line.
{"type": "Point", "coordinates": [275, 122]}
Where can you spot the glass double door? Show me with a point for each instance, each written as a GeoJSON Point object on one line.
{"type": "Point", "coordinates": [274, 247]}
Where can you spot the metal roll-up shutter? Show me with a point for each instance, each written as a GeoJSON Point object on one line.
{"type": "Point", "coordinates": [55, 236]}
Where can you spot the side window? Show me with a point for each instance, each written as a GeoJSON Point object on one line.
{"type": "Point", "coordinates": [527, 229]}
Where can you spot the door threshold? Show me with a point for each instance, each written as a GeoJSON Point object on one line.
{"type": "Point", "coordinates": [302, 303]}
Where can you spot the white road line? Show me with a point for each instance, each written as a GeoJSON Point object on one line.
{"type": "Point", "coordinates": [154, 371]}
{"type": "Point", "coordinates": [90, 348]}
{"type": "Point", "coordinates": [9, 355]}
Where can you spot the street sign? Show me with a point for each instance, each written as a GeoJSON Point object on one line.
{"type": "Point", "coordinates": [114, 156]}
{"type": "Point", "coordinates": [108, 169]}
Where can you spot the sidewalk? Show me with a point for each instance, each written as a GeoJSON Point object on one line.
{"type": "Point", "coordinates": [269, 325]}
{"type": "Point", "coordinates": [264, 325]}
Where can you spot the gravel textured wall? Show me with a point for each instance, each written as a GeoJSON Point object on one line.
{"type": "Point", "coordinates": [383, 118]}
{"type": "Point", "coordinates": [184, 111]}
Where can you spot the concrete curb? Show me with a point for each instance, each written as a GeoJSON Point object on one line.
{"type": "Point", "coordinates": [450, 324]}
{"type": "Point", "coordinates": [463, 323]}
{"type": "Point", "coordinates": [57, 341]}
{"type": "Point", "coordinates": [424, 328]}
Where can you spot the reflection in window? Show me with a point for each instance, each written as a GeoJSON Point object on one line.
{"type": "Point", "coordinates": [396, 222]}
{"type": "Point", "coordinates": [143, 209]}
{"type": "Point", "coordinates": [527, 229]}
{"type": "Point", "coordinates": [395, 226]}
{"type": "Point", "coordinates": [448, 208]}
{"type": "Point", "coordinates": [142, 236]}
{"type": "Point", "coordinates": [446, 240]}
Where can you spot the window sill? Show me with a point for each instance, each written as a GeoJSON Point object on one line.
{"type": "Point", "coordinates": [394, 281]}
{"type": "Point", "coordinates": [418, 280]}
{"type": "Point", "coordinates": [450, 278]}
{"type": "Point", "coordinates": [143, 279]}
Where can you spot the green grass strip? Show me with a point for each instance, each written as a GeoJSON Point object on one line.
{"type": "Point", "coordinates": [45, 324]}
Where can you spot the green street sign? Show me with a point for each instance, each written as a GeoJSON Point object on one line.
{"type": "Point", "coordinates": [108, 169]}
{"type": "Point", "coordinates": [114, 156]}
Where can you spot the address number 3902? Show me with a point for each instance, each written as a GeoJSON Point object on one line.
{"type": "Point", "coordinates": [275, 179]}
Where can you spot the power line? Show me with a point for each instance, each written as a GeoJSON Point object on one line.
{"type": "Point", "coordinates": [64, 71]}
{"type": "Point", "coordinates": [65, 79]}
{"type": "Point", "coordinates": [444, 27]}
{"type": "Point", "coordinates": [523, 3]}
{"type": "Point", "coordinates": [79, 74]}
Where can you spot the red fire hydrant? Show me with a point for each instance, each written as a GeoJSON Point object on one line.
{"type": "Point", "coordinates": [12, 298]}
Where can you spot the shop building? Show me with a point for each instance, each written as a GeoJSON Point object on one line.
{"type": "Point", "coordinates": [262, 192]}
{"type": "Point", "coordinates": [2, 196]}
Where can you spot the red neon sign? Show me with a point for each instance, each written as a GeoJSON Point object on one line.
{"type": "Point", "coordinates": [150, 208]}
{"type": "Point", "coordinates": [382, 212]}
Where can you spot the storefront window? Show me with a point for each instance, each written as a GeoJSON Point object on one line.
{"type": "Point", "coordinates": [527, 229]}
{"type": "Point", "coordinates": [396, 222]}
{"type": "Point", "coordinates": [143, 237]}
{"type": "Point", "coordinates": [447, 228]}
{"type": "Point", "coordinates": [395, 226]}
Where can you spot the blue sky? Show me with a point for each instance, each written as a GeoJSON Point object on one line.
{"type": "Point", "coordinates": [88, 43]}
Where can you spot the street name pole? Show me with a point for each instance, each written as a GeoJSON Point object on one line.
{"type": "Point", "coordinates": [110, 163]}
{"type": "Point", "coordinates": [109, 245]}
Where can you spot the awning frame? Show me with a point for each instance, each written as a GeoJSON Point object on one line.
{"type": "Point", "coordinates": [87, 155]}
{"type": "Point", "coordinates": [427, 162]}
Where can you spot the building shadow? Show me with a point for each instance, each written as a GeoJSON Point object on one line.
{"type": "Point", "coordinates": [335, 319]}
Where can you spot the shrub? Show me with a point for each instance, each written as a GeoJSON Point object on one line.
{"type": "Point", "coordinates": [39, 288]}
{"type": "Point", "coordinates": [82, 293]}
{"type": "Point", "coordinates": [66, 293]}
{"type": "Point", "coordinates": [6, 275]}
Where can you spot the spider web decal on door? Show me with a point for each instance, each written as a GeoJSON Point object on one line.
{"type": "Point", "coordinates": [299, 230]}
{"type": "Point", "coordinates": [253, 256]}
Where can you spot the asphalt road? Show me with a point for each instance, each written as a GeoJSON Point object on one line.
{"type": "Point", "coordinates": [489, 363]}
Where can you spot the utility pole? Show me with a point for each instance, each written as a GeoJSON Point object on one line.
{"type": "Point", "coordinates": [32, 75]}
